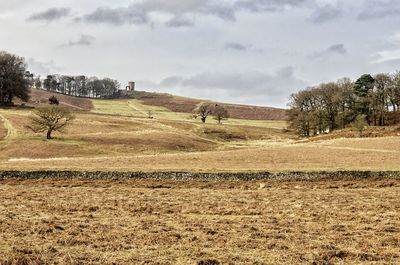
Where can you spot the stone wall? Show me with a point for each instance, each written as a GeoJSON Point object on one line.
{"type": "Point", "coordinates": [317, 175]}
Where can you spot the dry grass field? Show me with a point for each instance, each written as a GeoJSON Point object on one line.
{"type": "Point", "coordinates": [41, 97]}
{"type": "Point", "coordinates": [117, 135]}
{"type": "Point", "coordinates": [186, 105]}
{"type": "Point", "coordinates": [55, 221]}
{"type": "Point", "coordinates": [116, 130]}
{"type": "Point", "coordinates": [192, 222]}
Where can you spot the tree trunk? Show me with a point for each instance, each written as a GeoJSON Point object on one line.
{"type": "Point", "coordinates": [49, 134]}
{"type": "Point", "coordinates": [203, 119]}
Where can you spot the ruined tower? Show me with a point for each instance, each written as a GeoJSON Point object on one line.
{"type": "Point", "coordinates": [131, 86]}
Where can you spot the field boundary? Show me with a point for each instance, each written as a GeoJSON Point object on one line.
{"type": "Point", "coordinates": [250, 176]}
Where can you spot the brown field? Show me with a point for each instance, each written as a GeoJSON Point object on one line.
{"type": "Point", "coordinates": [124, 143]}
{"type": "Point", "coordinates": [41, 97]}
{"type": "Point", "coordinates": [112, 136]}
{"type": "Point", "coordinates": [186, 222]}
{"type": "Point", "coordinates": [52, 221]}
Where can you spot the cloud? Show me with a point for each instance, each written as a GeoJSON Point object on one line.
{"type": "Point", "coordinates": [117, 16]}
{"type": "Point", "coordinates": [267, 5]}
{"type": "Point", "coordinates": [50, 15]}
{"type": "Point", "coordinates": [389, 50]}
{"type": "Point", "coordinates": [326, 13]}
{"type": "Point", "coordinates": [336, 49]}
{"type": "Point", "coordinates": [84, 40]}
{"type": "Point", "coordinates": [374, 9]}
{"type": "Point", "coordinates": [139, 12]}
{"type": "Point", "coordinates": [42, 68]}
{"type": "Point", "coordinates": [239, 87]}
{"type": "Point", "coordinates": [236, 46]}
{"type": "Point", "coordinates": [223, 10]}
{"type": "Point", "coordinates": [179, 22]}
{"type": "Point", "coordinates": [239, 47]}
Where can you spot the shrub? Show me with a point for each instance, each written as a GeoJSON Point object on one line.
{"type": "Point", "coordinates": [53, 100]}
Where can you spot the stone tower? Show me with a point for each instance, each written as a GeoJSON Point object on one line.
{"type": "Point", "coordinates": [131, 86]}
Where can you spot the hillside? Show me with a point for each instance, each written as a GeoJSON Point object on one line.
{"type": "Point", "coordinates": [186, 105]}
{"type": "Point", "coordinates": [41, 97]}
{"type": "Point", "coordinates": [118, 135]}
{"type": "Point", "coordinates": [170, 102]}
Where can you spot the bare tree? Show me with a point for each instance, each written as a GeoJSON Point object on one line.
{"type": "Point", "coordinates": [50, 119]}
{"type": "Point", "coordinates": [203, 110]}
{"type": "Point", "coordinates": [220, 113]}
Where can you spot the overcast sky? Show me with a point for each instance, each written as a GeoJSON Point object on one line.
{"type": "Point", "coordinates": [239, 51]}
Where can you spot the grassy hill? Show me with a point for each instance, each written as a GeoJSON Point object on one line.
{"type": "Point", "coordinates": [186, 105]}
{"type": "Point", "coordinates": [118, 135]}
{"type": "Point", "coordinates": [146, 221]}
{"type": "Point", "coordinates": [165, 102]}
{"type": "Point", "coordinates": [41, 97]}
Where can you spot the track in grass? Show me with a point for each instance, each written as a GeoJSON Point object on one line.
{"type": "Point", "coordinates": [11, 132]}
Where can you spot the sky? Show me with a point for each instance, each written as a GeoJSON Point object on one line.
{"type": "Point", "coordinates": [255, 52]}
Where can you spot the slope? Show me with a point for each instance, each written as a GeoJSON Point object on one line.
{"type": "Point", "coordinates": [186, 105]}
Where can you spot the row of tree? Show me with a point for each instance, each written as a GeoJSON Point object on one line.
{"type": "Point", "coordinates": [80, 86]}
{"type": "Point", "coordinates": [336, 105]}
{"type": "Point", "coordinates": [15, 81]}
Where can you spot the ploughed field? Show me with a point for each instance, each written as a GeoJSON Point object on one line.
{"type": "Point", "coordinates": [55, 221]}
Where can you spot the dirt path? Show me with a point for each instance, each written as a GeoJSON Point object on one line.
{"type": "Point", "coordinates": [70, 105]}
{"type": "Point", "coordinates": [11, 132]}
{"type": "Point", "coordinates": [132, 106]}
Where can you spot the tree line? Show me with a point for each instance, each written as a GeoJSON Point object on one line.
{"type": "Point", "coordinates": [16, 80]}
{"type": "Point", "coordinates": [336, 105]}
{"type": "Point", "coordinates": [80, 86]}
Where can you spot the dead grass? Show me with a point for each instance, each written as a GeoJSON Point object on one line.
{"type": "Point", "coordinates": [373, 144]}
{"type": "Point", "coordinates": [3, 129]}
{"type": "Point", "coordinates": [273, 157]}
{"type": "Point", "coordinates": [187, 105]}
{"type": "Point", "coordinates": [167, 222]}
{"type": "Point", "coordinates": [119, 142]}
{"type": "Point", "coordinates": [370, 132]}
{"type": "Point", "coordinates": [94, 135]}
{"type": "Point", "coordinates": [41, 97]}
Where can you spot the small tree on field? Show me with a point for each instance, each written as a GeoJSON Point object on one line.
{"type": "Point", "coordinates": [53, 100]}
{"type": "Point", "coordinates": [220, 113]}
{"type": "Point", "coordinates": [150, 114]}
{"type": "Point", "coordinates": [50, 119]}
{"type": "Point", "coordinates": [203, 110]}
{"type": "Point", "coordinates": [359, 124]}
